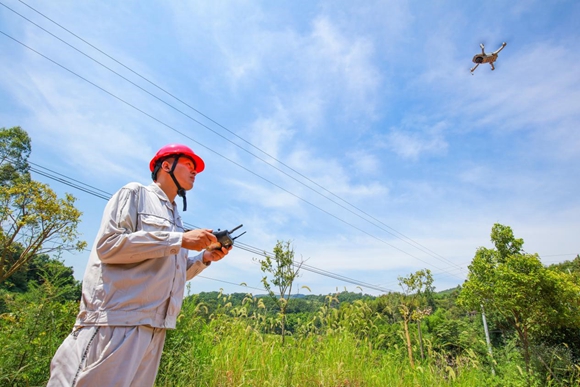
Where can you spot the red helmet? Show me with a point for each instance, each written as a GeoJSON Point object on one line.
{"type": "Point", "coordinates": [174, 150]}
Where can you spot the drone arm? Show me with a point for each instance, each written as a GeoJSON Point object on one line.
{"type": "Point", "coordinates": [499, 49]}
{"type": "Point", "coordinates": [482, 48]}
{"type": "Point", "coordinates": [492, 66]}
{"type": "Point", "coordinates": [474, 67]}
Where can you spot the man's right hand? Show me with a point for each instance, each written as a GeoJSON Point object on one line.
{"type": "Point", "coordinates": [197, 239]}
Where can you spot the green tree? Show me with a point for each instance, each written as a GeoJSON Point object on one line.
{"type": "Point", "coordinates": [14, 151]}
{"type": "Point", "coordinates": [33, 220]}
{"type": "Point", "coordinates": [417, 289]}
{"type": "Point", "coordinates": [283, 271]}
{"type": "Point", "coordinates": [31, 275]}
{"type": "Point", "coordinates": [570, 267]}
{"type": "Point", "coordinates": [520, 290]}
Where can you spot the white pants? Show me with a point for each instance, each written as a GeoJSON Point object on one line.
{"type": "Point", "coordinates": [108, 356]}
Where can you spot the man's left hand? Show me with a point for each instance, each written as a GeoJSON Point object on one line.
{"type": "Point", "coordinates": [215, 255]}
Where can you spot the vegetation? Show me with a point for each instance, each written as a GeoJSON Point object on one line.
{"type": "Point", "coordinates": [14, 151]}
{"type": "Point", "coordinates": [343, 339]}
{"type": "Point", "coordinates": [505, 280]}
{"type": "Point", "coordinates": [417, 289]}
{"type": "Point", "coordinates": [283, 271]}
{"type": "Point", "coordinates": [33, 220]}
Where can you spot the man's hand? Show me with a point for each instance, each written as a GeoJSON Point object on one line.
{"type": "Point", "coordinates": [215, 255]}
{"type": "Point", "coordinates": [197, 239]}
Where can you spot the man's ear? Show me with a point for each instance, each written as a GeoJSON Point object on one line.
{"type": "Point", "coordinates": [167, 164]}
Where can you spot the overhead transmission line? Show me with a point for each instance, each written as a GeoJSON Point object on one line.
{"type": "Point", "coordinates": [233, 162]}
{"type": "Point", "coordinates": [397, 235]}
{"type": "Point", "coordinates": [64, 179]}
{"type": "Point", "coordinates": [217, 153]}
{"type": "Point", "coordinates": [69, 181]}
{"type": "Point", "coordinates": [400, 236]}
{"type": "Point", "coordinates": [416, 244]}
{"type": "Point", "coordinates": [230, 283]}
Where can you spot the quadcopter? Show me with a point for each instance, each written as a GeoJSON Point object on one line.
{"type": "Point", "coordinates": [486, 58]}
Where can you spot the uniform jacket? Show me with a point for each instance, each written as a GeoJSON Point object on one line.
{"type": "Point", "coordinates": [137, 269]}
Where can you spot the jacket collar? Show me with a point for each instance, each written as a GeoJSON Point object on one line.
{"type": "Point", "coordinates": [162, 196]}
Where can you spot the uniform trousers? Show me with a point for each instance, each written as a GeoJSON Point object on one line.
{"type": "Point", "coordinates": [108, 356]}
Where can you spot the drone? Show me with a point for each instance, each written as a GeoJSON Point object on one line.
{"type": "Point", "coordinates": [486, 58]}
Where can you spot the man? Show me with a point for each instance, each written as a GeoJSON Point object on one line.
{"type": "Point", "coordinates": [135, 278]}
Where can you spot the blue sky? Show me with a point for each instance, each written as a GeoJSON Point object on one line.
{"type": "Point", "coordinates": [353, 129]}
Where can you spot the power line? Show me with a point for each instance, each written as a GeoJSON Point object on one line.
{"type": "Point", "coordinates": [426, 249]}
{"type": "Point", "coordinates": [219, 154]}
{"type": "Point", "coordinates": [70, 184]}
{"type": "Point", "coordinates": [61, 178]}
{"type": "Point", "coordinates": [400, 236]}
{"type": "Point", "coordinates": [64, 179]}
{"type": "Point", "coordinates": [313, 269]}
{"type": "Point", "coordinates": [230, 283]}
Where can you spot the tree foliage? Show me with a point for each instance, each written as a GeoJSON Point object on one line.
{"type": "Point", "coordinates": [519, 290]}
{"type": "Point", "coordinates": [417, 290]}
{"type": "Point", "coordinates": [32, 275]}
{"type": "Point", "coordinates": [33, 220]}
{"type": "Point", "coordinates": [283, 270]}
{"type": "Point", "coordinates": [15, 148]}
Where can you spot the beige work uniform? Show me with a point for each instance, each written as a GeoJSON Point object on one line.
{"type": "Point", "coordinates": [132, 291]}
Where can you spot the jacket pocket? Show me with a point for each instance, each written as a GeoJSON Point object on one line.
{"type": "Point", "coordinates": [154, 223]}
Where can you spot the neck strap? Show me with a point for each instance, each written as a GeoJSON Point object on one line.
{"type": "Point", "coordinates": [180, 191]}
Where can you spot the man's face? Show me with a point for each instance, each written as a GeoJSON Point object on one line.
{"type": "Point", "coordinates": [184, 171]}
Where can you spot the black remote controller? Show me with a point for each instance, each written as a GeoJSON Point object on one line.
{"type": "Point", "coordinates": [224, 238]}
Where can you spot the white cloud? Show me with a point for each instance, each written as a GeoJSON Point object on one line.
{"type": "Point", "coordinates": [321, 65]}
{"type": "Point", "coordinates": [67, 127]}
{"type": "Point", "coordinates": [415, 142]}
{"type": "Point", "coordinates": [363, 162]}
{"type": "Point", "coordinates": [336, 175]}
{"type": "Point", "coordinates": [342, 66]}
{"type": "Point", "coordinates": [266, 197]}
{"type": "Point", "coordinates": [272, 133]}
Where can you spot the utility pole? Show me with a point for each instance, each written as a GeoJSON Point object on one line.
{"type": "Point", "coordinates": [487, 338]}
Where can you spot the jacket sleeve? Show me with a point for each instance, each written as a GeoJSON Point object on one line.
{"type": "Point", "coordinates": [119, 241]}
{"type": "Point", "coordinates": [195, 266]}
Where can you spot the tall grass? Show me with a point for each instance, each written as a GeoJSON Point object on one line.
{"type": "Point", "coordinates": [240, 356]}
{"type": "Point", "coordinates": [230, 348]}
{"type": "Point", "coordinates": [31, 330]}
{"type": "Point", "coordinates": [241, 346]}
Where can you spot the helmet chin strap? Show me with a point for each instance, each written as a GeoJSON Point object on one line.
{"type": "Point", "coordinates": [180, 191]}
